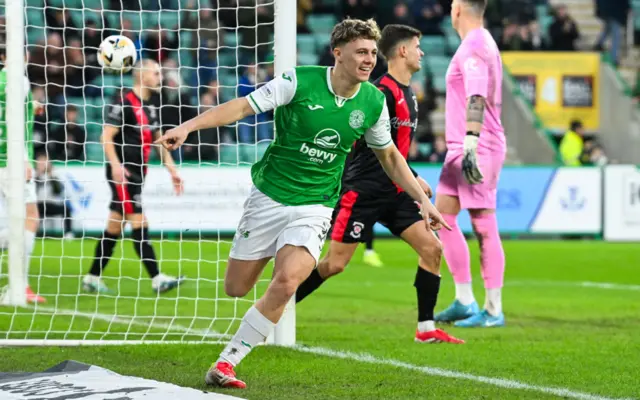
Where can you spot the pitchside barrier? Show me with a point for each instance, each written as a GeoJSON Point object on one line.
{"type": "Point", "coordinates": [532, 200]}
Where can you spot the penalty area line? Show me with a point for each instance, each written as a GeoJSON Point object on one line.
{"type": "Point", "coordinates": [499, 382]}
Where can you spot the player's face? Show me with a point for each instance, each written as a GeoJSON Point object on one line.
{"type": "Point", "coordinates": [358, 58]}
{"type": "Point", "coordinates": [153, 77]}
{"type": "Point", "coordinates": [414, 54]}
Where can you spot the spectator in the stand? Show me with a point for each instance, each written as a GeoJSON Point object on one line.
{"type": "Point", "coordinates": [536, 38]}
{"type": "Point", "coordinates": [51, 196]}
{"type": "Point", "coordinates": [66, 141]}
{"type": "Point", "coordinates": [401, 14]}
{"type": "Point", "coordinates": [176, 106]}
{"type": "Point", "coordinates": [572, 144]}
{"type": "Point", "coordinates": [563, 32]}
{"type": "Point", "coordinates": [92, 36]}
{"type": "Point", "coordinates": [203, 145]}
{"type": "Point", "coordinates": [255, 25]}
{"type": "Point", "coordinates": [359, 9]}
{"type": "Point", "coordinates": [207, 67]}
{"type": "Point", "coordinates": [59, 21]}
{"type": "Point", "coordinates": [439, 152]}
{"type": "Point", "coordinates": [494, 17]}
{"type": "Point", "coordinates": [514, 38]}
{"type": "Point", "coordinates": [128, 31]}
{"type": "Point", "coordinates": [203, 25]}
{"type": "Point", "coordinates": [40, 121]}
{"type": "Point", "coordinates": [77, 74]}
{"type": "Point", "coordinates": [427, 16]}
{"type": "Point", "coordinates": [159, 44]}
{"type": "Point", "coordinates": [254, 128]}
{"type": "Point", "coordinates": [427, 103]}
{"type": "Point", "coordinates": [304, 7]}
{"type": "Point", "coordinates": [614, 17]}
{"type": "Point", "coordinates": [46, 67]}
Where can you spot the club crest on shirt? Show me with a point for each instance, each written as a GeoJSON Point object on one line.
{"type": "Point", "coordinates": [471, 64]}
{"type": "Point", "coordinates": [356, 119]}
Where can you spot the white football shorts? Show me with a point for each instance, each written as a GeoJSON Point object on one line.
{"type": "Point", "coordinates": [266, 226]}
{"type": "Point", "coordinates": [29, 188]}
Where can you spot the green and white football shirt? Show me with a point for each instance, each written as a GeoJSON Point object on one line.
{"type": "Point", "coordinates": [29, 119]}
{"type": "Point", "coordinates": [315, 131]}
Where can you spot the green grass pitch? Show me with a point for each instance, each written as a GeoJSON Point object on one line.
{"type": "Point", "coordinates": [563, 330]}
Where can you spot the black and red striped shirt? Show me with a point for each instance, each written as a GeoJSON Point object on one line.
{"type": "Point", "coordinates": [363, 172]}
{"type": "Point", "coordinates": [138, 120]}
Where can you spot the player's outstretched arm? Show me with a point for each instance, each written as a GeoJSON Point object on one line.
{"type": "Point", "coordinates": [398, 170]}
{"type": "Point", "coordinates": [224, 114]}
{"type": "Point", "coordinates": [277, 92]}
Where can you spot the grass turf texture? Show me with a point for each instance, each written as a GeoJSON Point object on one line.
{"type": "Point", "coordinates": [558, 334]}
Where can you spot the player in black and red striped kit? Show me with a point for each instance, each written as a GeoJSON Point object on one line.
{"type": "Point", "coordinates": [369, 196]}
{"type": "Point", "coordinates": [132, 122]}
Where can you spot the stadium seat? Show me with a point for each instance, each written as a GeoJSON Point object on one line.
{"type": "Point", "coordinates": [228, 153]}
{"type": "Point", "coordinates": [230, 39]}
{"type": "Point", "coordinates": [438, 64]}
{"type": "Point", "coordinates": [306, 44]}
{"type": "Point", "coordinates": [453, 41]}
{"type": "Point", "coordinates": [307, 59]}
{"type": "Point", "coordinates": [35, 34]}
{"type": "Point", "coordinates": [433, 45]}
{"type": "Point", "coordinates": [169, 19]}
{"type": "Point", "coordinates": [542, 10]}
{"type": "Point", "coordinates": [35, 3]}
{"type": "Point", "coordinates": [440, 83]}
{"type": "Point", "coordinates": [322, 41]}
{"type": "Point", "coordinates": [322, 23]}
{"type": "Point", "coordinates": [34, 17]}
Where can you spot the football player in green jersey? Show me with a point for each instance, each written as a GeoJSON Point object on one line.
{"type": "Point", "coordinates": [320, 113]}
{"type": "Point", "coordinates": [32, 218]}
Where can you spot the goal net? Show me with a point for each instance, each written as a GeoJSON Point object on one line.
{"type": "Point", "coordinates": [210, 51]}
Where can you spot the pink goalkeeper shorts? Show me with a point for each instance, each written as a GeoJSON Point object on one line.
{"type": "Point", "coordinates": [480, 196]}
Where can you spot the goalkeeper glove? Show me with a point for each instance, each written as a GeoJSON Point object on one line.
{"type": "Point", "coordinates": [470, 169]}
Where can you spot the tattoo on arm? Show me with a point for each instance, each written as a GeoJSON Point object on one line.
{"type": "Point", "coordinates": [475, 109]}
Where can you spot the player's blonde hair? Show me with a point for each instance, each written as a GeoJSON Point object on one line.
{"type": "Point", "coordinates": [354, 29]}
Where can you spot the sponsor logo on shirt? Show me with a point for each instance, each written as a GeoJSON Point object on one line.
{"type": "Point", "coordinates": [396, 123]}
{"type": "Point", "coordinates": [325, 139]}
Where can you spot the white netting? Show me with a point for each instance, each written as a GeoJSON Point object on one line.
{"type": "Point", "coordinates": [210, 51]}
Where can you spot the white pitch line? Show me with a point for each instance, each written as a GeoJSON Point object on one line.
{"type": "Point", "coordinates": [585, 284]}
{"type": "Point", "coordinates": [499, 382]}
{"type": "Point", "coordinates": [131, 321]}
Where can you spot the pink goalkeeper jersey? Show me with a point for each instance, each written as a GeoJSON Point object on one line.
{"type": "Point", "coordinates": [476, 69]}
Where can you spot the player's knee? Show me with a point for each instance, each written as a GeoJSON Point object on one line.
{"type": "Point", "coordinates": [431, 255]}
{"type": "Point", "coordinates": [233, 289]}
{"type": "Point", "coordinates": [286, 285]}
{"type": "Point", "coordinates": [334, 267]}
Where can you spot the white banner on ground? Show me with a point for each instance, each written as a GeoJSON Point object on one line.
{"type": "Point", "coordinates": [622, 203]}
{"type": "Point", "coordinates": [572, 203]}
{"type": "Point", "coordinates": [95, 383]}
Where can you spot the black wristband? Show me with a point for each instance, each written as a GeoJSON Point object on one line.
{"type": "Point", "coordinates": [472, 133]}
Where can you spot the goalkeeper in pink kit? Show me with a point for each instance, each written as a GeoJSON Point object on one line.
{"type": "Point", "coordinates": [476, 152]}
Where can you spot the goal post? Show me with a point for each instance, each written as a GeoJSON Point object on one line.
{"type": "Point", "coordinates": [15, 134]}
{"type": "Point", "coordinates": [191, 234]}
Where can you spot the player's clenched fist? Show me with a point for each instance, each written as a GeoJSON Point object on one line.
{"type": "Point", "coordinates": [173, 138]}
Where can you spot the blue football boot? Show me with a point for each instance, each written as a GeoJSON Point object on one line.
{"type": "Point", "coordinates": [457, 311]}
{"type": "Point", "coordinates": [482, 320]}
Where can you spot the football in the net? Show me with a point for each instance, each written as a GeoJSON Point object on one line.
{"type": "Point", "coordinates": [117, 53]}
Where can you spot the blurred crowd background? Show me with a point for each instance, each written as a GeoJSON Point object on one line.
{"type": "Point", "coordinates": [214, 50]}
